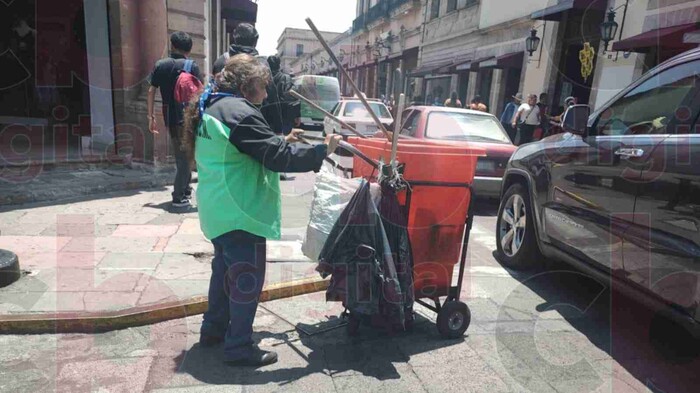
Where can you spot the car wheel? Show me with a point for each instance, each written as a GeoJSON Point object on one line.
{"type": "Point", "coordinates": [515, 230]}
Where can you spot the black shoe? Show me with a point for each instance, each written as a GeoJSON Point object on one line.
{"type": "Point", "coordinates": [258, 358]}
{"type": "Point", "coordinates": [182, 202]}
{"type": "Point", "coordinates": [188, 193]}
{"type": "Point", "coordinates": [209, 341]}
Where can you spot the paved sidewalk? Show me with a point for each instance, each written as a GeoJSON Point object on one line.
{"type": "Point", "coordinates": [38, 184]}
{"type": "Point", "coordinates": [118, 251]}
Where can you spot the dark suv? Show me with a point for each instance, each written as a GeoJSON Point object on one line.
{"type": "Point", "coordinates": [618, 194]}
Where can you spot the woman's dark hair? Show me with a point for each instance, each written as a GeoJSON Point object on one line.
{"type": "Point", "coordinates": [476, 100]}
{"type": "Point", "coordinates": [181, 41]}
{"type": "Point", "coordinates": [241, 73]}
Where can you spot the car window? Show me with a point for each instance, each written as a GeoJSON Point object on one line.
{"type": "Point", "coordinates": [336, 109]}
{"type": "Point", "coordinates": [650, 107]}
{"type": "Point", "coordinates": [358, 111]}
{"type": "Point", "coordinates": [460, 126]}
{"type": "Point", "coordinates": [411, 123]}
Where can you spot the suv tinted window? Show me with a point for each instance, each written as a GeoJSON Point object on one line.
{"type": "Point", "coordinates": [651, 106]}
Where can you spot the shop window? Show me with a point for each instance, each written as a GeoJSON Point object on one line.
{"type": "Point", "coordinates": [435, 9]}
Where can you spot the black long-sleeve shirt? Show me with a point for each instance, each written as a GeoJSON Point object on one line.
{"type": "Point", "coordinates": [251, 135]}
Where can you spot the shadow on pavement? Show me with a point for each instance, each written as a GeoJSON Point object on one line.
{"type": "Point", "coordinates": [372, 353]}
{"type": "Point", "coordinates": [652, 349]}
{"type": "Point", "coordinates": [485, 207]}
{"type": "Point", "coordinates": [168, 207]}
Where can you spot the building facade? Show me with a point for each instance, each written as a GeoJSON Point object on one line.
{"type": "Point", "coordinates": [319, 62]}
{"type": "Point", "coordinates": [81, 70]}
{"type": "Point", "coordinates": [653, 31]}
{"type": "Point", "coordinates": [386, 36]}
{"type": "Point", "coordinates": [296, 43]}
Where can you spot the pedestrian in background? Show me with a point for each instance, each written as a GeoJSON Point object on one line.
{"type": "Point", "coordinates": [281, 110]}
{"type": "Point", "coordinates": [509, 113]}
{"type": "Point", "coordinates": [453, 101]}
{"type": "Point", "coordinates": [285, 112]}
{"type": "Point", "coordinates": [543, 105]}
{"type": "Point", "coordinates": [165, 76]}
{"type": "Point", "coordinates": [526, 120]}
{"type": "Point", "coordinates": [478, 105]}
{"type": "Point", "coordinates": [245, 40]}
{"type": "Point", "coordinates": [238, 158]}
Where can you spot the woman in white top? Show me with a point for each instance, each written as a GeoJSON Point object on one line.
{"type": "Point", "coordinates": [526, 120]}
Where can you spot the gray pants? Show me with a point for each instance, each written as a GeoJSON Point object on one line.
{"type": "Point", "coordinates": [183, 175]}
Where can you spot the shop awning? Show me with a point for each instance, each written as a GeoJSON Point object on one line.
{"type": "Point", "coordinates": [428, 69]}
{"type": "Point", "coordinates": [474, 65]}
{"type": "Point", "coordinates": [510, 60]}
{"type": "Point", "coordinates": [667, 37]}
{"type": "Point", "coordinates": [556, 11]}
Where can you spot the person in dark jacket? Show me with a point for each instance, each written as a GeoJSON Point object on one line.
{"type": "Point", "coordinates": [289, 107]}
{"type": "Point", "coordinates": [164, 77]}
{"type": "Point", "coordinates": [245, 39]}
{"type": "Point", "coordinates": [238, 158]}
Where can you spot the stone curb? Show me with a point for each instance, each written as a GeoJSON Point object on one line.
{"type": "Point", "coordinates": [101, 322]}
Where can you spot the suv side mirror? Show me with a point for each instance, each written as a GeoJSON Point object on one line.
{"type": "Point", "coordinates": [575, 119]}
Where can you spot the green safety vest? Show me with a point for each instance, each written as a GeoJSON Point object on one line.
{"type": "Point", "coordinates": [234, 192]}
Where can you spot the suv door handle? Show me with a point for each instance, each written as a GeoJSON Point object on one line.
{"type": "Point", "coordinates": [630, 153]}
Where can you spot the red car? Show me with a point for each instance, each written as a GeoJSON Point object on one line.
{"type": "Point", "coordinates": [465, 126]}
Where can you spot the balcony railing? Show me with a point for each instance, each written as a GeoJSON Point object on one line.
{"type": "Point", "coordinates": [380, 10]}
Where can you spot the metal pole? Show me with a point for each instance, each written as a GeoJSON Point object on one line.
{"type": "Point", "coordinates": [313, 104]}
{"type": "Point", "coordinates": [352, 83]}
{"type": "Point", "coordinates": [397, 129]}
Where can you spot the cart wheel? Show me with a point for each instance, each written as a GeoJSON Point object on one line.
{"type": "Point", "coordinates": [453, 319]}
{"type": "Point", "coordinates": [353, 326]}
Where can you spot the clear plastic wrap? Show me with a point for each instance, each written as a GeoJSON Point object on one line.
{"type": "Point", "coordinates": [332, 193]}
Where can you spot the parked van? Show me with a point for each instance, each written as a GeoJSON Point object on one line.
{"type": "Point", "coordinates": [322, 90]}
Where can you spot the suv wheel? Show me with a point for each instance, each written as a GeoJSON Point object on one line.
{"type": "Point", "coordinates": [515, 230]}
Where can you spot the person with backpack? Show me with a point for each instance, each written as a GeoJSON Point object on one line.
{"type": "Point", "coordinates": [178, 79]}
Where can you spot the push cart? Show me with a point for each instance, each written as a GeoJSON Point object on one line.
{"type": "Point", "coordinates": [437, 203]}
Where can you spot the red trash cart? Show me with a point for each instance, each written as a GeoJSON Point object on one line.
{"type": "Point", "coordinates": [437, 203]}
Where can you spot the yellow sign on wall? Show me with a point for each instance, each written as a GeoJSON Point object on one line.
{"type": "Point", "coordinates": [586, 55]}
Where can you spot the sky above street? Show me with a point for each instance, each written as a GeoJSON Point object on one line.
{"type": "Point", "coordinates": [275, 15]}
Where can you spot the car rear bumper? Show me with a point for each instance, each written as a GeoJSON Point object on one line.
{"type": "Point", "coordinates": [489, 187]}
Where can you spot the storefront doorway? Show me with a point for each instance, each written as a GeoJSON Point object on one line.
{"type": "Point", "coordinates": [46, 109]}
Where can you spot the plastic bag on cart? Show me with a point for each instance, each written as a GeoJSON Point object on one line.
{"type": "Point", "coordinates": [331, 195]}
{"type": "Point", "coordinates": [358, 257]}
